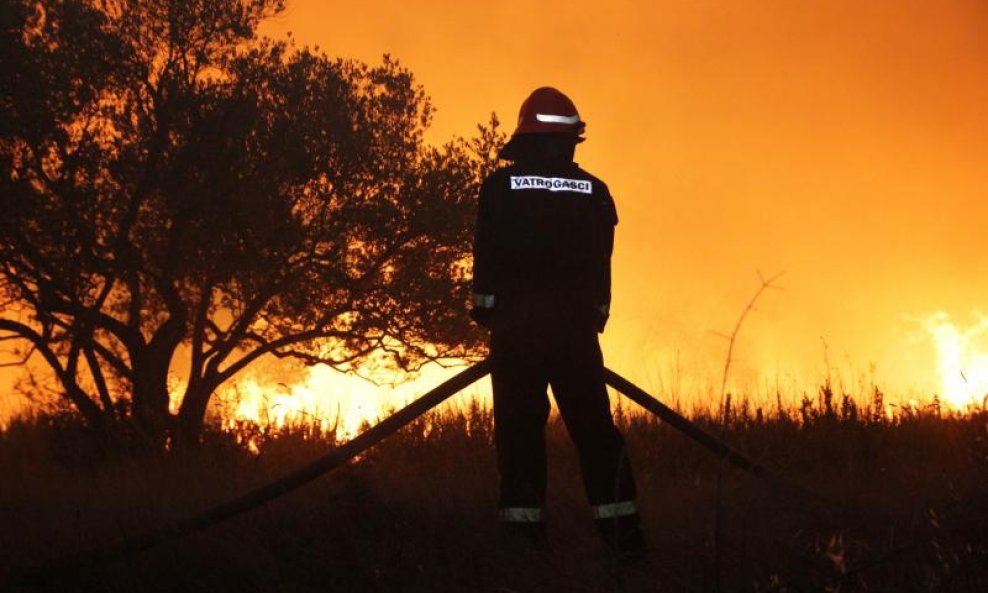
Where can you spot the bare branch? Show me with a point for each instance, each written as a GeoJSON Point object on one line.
{"type": "Point", "coordinates": [732, 337]}
{"type": "Point", "coordinates": [72, 390]}
{"type": "Point", "coordinates": [199, 328]}
{"type": "Point", "coordinates": [100, 380]}
{"type": "Point", "coordinates": [24, 358]}
{"type": "Point", "coordinates": [273, 346]}
{"type": "Point", "coordinates": [234, 336]}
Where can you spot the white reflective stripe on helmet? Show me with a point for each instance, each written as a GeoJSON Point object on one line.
{"type": "Point", "coordinates": [522, 514]}
{"type": "Point", "coordinates": [484, 301]}
{"type": "Point", "coordinates": [557, 119]}
{"type": "Point", "coordinates": [615, 509]}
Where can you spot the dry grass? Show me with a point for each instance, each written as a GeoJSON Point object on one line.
{"type": "Point", "coordinates": [907, 510]}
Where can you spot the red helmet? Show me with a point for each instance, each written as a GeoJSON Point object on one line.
{"type": "Point", "coordinates": [548, 111]}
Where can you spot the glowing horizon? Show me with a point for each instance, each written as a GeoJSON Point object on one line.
{"type": "Point", "coordinates": [841, 143]}
{"type": "Point", "coordinates": [845, 144]}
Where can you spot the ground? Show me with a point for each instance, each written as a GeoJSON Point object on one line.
{"type": "Point", "coordinates": [898, 506]}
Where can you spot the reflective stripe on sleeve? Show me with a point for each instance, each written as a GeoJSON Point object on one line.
{"type": "Point", "coordinates": [484, 301]}
{"type": "Point", "coordinates": [615, 509]}
{"type": "Point", "coordinates": [557, 119]}
{"type": "Point", "coordinates": [521, 514]}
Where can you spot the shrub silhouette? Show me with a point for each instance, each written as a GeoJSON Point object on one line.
{"type": "Point", "coordinates": [174, 185]}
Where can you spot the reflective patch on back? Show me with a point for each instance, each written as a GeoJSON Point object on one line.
{"type": "Point", "coordinates": [524, 182]}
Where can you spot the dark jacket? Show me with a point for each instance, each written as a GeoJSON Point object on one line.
{"type": "Point", "coordinates": [544, 228]}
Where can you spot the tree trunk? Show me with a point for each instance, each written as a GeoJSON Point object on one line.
{"type": "Point", "coordinates": [151, 398]}
{"type": "Point", "coordinates": [150, 404]}
{"type": "Point", "coordinates": [95, 418]}
{"type": "Point", "coordinates": [192, 414]}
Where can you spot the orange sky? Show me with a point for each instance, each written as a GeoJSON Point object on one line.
{"type": "Point", "coordinates": [843, 142]}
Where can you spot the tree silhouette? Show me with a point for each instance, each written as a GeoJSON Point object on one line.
{"type": "Point", "coordinates": [172, 184]}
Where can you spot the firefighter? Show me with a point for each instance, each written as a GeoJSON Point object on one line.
{"type": "Point", "coordinates": [541, 281]}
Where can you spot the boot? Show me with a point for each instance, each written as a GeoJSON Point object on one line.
{"type": "Point", "coordinates": [525, 536]}
{"type": "Point", "coordinates": [623, 537]}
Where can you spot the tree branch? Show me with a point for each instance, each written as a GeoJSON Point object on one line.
{"type": "Point", "coordinates": [732, 337]}
{"type": "Point", "coordinates": [72, 390]}
{"type": "Point", "coordinates": [24, 359]}
{"type": "Point", "coordinates": [198, 357]}
{"type": "Point", "coordinates": [118, 364]}
{"type": "Point", "coordinates": [271, 347]}
{"type": "Point", "coordinates": [234, 336]}
{"type": "Point", "coordinates": [100, 380]}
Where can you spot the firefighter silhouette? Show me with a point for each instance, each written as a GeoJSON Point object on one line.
{"type": "Point", "coordinates": [541, 280]}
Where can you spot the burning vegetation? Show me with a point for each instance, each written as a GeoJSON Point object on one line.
{"type": "Point", "coordinates": [905, 507]}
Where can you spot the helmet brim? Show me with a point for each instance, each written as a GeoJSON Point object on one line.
{"type": "Point", "coordinates": [511, 151]}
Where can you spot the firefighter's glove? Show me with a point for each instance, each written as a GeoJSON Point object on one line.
{"type": "Point", "coordinates": [603, 314]}
{"type": "Point", "coordinates": [483, 309]}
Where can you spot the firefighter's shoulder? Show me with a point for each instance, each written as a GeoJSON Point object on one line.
{"type": "Point", "coordinates": [601, 193]}
{"type": "Point", "coordinates": [498, 180]}
{"type": "Point", "coordinates": [598, 183]}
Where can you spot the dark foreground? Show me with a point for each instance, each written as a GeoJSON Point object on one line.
{"type": "Point", "coordinates": [906, 510]}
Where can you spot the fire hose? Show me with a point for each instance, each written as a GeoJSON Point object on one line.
{"type": "Point", "coordinates": [367, 439]}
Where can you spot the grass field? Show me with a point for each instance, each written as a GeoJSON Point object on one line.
{"type": "Point", "coordinates": [906, 510]}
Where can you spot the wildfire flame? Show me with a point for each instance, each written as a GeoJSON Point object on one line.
{"type": "Point", "coordinates": [325, 399]}
{"type": "Point", "coordinates": [344, 404]}
{"type": "Point", "coordinates": [962, 359]}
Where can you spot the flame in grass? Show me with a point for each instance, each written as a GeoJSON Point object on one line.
{"type": "Point", "coordinates": [962, 359]}
{"type": "Point", "coordinates": [324, 401]}
{"type": "Point", "coordinates": [328, 402]}
{"type": "Point", "coordinates": [331, 403]}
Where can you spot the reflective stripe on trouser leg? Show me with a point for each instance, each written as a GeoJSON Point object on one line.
{"type": "Point", "coordinates": [521, 514]}
{"type": "Point", "coordinates": [578, 383]}
{"type": "Point", "coordinates": [615, 509]}
{"type": "Point", "coordinates": [521, 407]}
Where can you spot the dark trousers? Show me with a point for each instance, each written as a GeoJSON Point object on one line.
{"type": "Point", "coordinates": [537, 342]}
